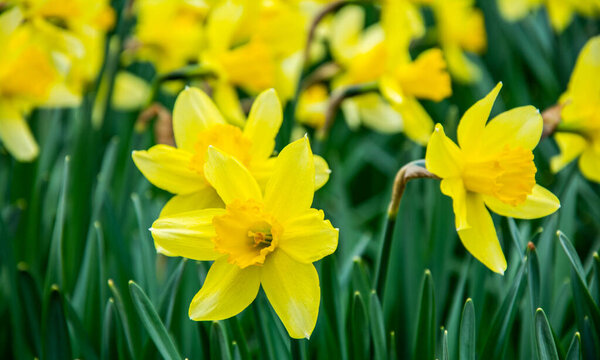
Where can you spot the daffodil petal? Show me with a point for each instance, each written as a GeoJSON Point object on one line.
{"type": "Point", "coordinates": [443, 157]}
{"type": "Point", "coordinates": [16, 135]}
{"type": "Point", "coordinates": [227, 291]}
{"type": "Point", "coordinates": [227, 100]}
{"type": "Point", "coordinates": [187, 234]}
{"type": "Point", "coordinates": [377, 114]}
{"type": "Point", "coordinates": [229, 177]}
{"type": "Point", "coordinates": [346, 30]}
{"type": "Point", "coordinates": [571, 146]}
{"type": "Point", "coordinates": [193, 112]}
{"type": "Point", "coordinates": [322, 172]}
{"type": "Point", "coordinates": [539, 203]}
{"type": "Point", "coordinates": [416, 121]}
{"type": "Point", "coordinates": [480, 238]}
{"type": "Point", "coordinates": [169, 168]}
{"type": "Point", "coordinates": [206, 198]}
{"type": "Point", "coordinates": [520, 126]}
{"type": "Point", "coordinates": [455, 188]}
{"type": "Point", "coordinates": [472, 124]}
{"type": "Point", "coordinates": [309, 237]}
{"type": "Point", "coordinates": [589, 163]}
{"type": "Point", "coordinates": [263, 123]}
{"type": "Point", "coordinates": [290, 190]}
{"type": "Point", "coordinates": [293, 290]}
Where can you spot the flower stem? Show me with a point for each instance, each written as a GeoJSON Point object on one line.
{"type": "Point", "coordinates": [412, 170]}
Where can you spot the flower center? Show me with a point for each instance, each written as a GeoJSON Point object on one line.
{"type": "Point", "coordinates": [246, 233]}
{"type": "Point", "coordinates": [227, 138]}
{"type": "Point", "coordinates": [509, 176]}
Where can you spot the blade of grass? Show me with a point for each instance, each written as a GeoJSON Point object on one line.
{"type": "Point", "coordinates": [424, 347]}
{"type": "Point", "coordinates": [467, 335]}
{"type": "Point", "coordinates": [151, 321]}
{"type": "Point", "coordinates": [544, 338]}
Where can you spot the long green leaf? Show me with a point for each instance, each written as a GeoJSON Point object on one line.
{"type": "Point", "coordinates": [574, 352]}
{"type": "Point", "coordinates": [32, 306]}
{"type": "Point", "coordinates": [467, 335]}
{"type": "Point", "coordinates": [219, 343]}
{"type": "Point", "coordinates": [125, 320]}
{"type": "Point", "coordinates": [425, 335]}
{"type": "Point", "coordinates": [151, 321]}
{"type": "Point", "coordinates": [543, 336]}
{"type": "Point", "coordinates": [55, 343]}
{"type": "Point", "coordinates": [359, 328]}
{"type": "Point", "coordinates": [377, 327]}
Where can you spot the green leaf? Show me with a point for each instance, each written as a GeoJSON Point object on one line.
{"type": "Point", "coordinates": [54, 271]}
{"type": "Point", "coordinates": [332, 303]}
{"type": "Point", "coordinates": [359, 328]}
{"type": "Point", "coordinates": [146, 249]}
{"type": "Point", "coordinates": [29, 295]}
{"type": "Point", "coordinates": [467, 336]}
{"type": "Point", "coordinates": [425, 335]}
{"type": "Point", "coordinates": [377, 327]}
{"type": "Point", "coordinates": [533, 277]}
{"type": "Point", "coordinates": [497, 337]}
{"type": "Point", "coordinates": [596, 289]}
{"type": "Point", "coordinates": [125, 320]}
{"type": "Point", "coordinates": [109, 349]}
{"type": "Point", "coordinates": [574, 352]}
{"type": "Point", "coordinates": [56, 334]}
{"type": "Point", "coordinates": [219, 344]}
{"type": "Point", "coordinates": [579, 283]}
{"type": "Point", "coordinates": [151, 321]}
{"type": "Point", "coordinates": [444, 353]}
{"type": "Point", "coordinates": [80, 338]}
{"type": "Point", "coordinates": [544, 338]}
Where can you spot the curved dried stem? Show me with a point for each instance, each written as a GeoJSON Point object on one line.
{"type": "Point", "coordinates": [410, 171]}
{"type": "Point", "coordinates": [551, 117]}
{"type": "Point", "coordinates": [335, 101]}
{"type": "Point", "coordinates": [163, 127]}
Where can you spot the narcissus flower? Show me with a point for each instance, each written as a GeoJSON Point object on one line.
{"type": "Point", "coordinates": [198, 124]}
{"type": "Point", "coordinates": [461, 28]}
{"type": "Point", "coordinates": [580, 115]}
{"type": "Point", "coordinates": [493, 168]}
{"type": "Point", "coordinates": [560, 12]}
{"type": "Point", "coordinates": [380, 54]}
{"type": "Point", "coordinates": [265, 238]}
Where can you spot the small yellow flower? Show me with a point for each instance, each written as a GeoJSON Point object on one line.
{"type": "Point", "coordinates": [268, 238]}
{"type": "Point", "coordinates": [461, 28]}
{"type": "Point", "coordinates": [380, 53]}
{"type": "Point", "coordinates": [493, 167]}
{"type": "Point", "coordinates": [198, 124]}
{"type": "Point", "coordinates": [312, 106]}
{"type": "Point", "coordinates": [560, 12]}
{"type": "Point", "coordinates": [581, 115]}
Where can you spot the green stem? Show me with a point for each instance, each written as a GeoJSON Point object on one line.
{"type": "Point", "coordinates": [384, 255]}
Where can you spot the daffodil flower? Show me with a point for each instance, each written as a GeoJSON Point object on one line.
{"type": "Point", "coordinates": [581, 115]}
{"type": "Point", "coordinates": [560, 12]}
{"type": "Point", "coordinates": [380, 53]}
{"type": "Point", "coordinates": [461, 28]}
{"type": "Point", "coordinates": [493, 168]}
{"type": "Point", "coordinates": [268, 238]}
{"type": "Point", "coordinates": [198, 124]}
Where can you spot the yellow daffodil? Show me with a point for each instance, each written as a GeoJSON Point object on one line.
{"type": "Point", "coordinates": [30, 76]}
{"type": "Point", "coordinates": [198, 124]}
{"type": "Point", "coordinates": [493, 168]}
{"type": "Point", "coordinates": [380, 54]}
{"type": "Point", "coordinates": [267, 239]}
{"type": "Point", "coordinates": [312, 106]}
{"type": "Point", "coordinates": [461, 28]}
{"type": "Point", "coordinates": [168, 33]}
{"type": "Point", "coordinates": [581, 115]}
{"type": "Point", "coordinates": [560, 12]}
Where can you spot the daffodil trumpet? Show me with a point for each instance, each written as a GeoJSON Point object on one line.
{"type": "Point", "coordinates": [491, 168]}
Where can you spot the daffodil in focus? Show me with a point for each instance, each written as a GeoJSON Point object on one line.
{"type": "Point", "coordinates": [198, 124]}
{"type": "Point", "coordinates": [560, 12]}
{"type": "Point", "coordinates": [262, 238]}
{"type": "Point", "coordinates": [461, 29]}
{"type": "Point", "coordinates": [380, 54]}
{"type": "Point", "coordinates": [492, 169]}
{"type": "Point", "coordinates": [580, 115]}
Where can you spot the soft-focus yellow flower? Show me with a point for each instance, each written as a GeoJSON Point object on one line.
{"type": "Point", "coordinates": [380, 54]}
{"type": "Point", "coordinates": [493, 167]}
{"type": "Point", "coordinates": [581, 115]}
{"type": "Point", "coordinates": [30, 76]}
{"type": "Point", "coordinates": [312, 106]}
{"type": "Point", "coordinates": [461, 28]}
{"type": "Point", "coordinates": [560, 12]}
{"type": "Point", "coordinates": [169, 33]}
{"type": "Point", "coordinates": [198, 124]}
{"type": "Point", "coordinates": [265, 238]}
